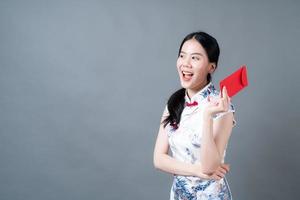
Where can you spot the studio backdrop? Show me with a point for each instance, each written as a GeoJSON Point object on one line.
{"type": "Point", "coordinates": [84, 83]}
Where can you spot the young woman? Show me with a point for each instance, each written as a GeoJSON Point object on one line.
{"type": "Point", "coordinates": [196, 125]}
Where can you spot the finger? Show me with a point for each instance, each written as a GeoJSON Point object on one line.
{"type": "Point", "coordinates": [226, 167]}
{"type": "Point", "coordinates": [220, 175]}
{"type": "Point", "coordinates": [222, 170]}
{"type": "Point", "coordinates": [214, 100]}
{"type": "Point", "coordinates": [223, 91]}
{"type": "Point", "coordinates": [228, 98]}
{"type": "Point", "coordinates": [225, 95]}
{"type": "Point", "coordinates": [212, 177]}
{"type": "Point", "coordinates": [217, 103]}
{"type": "Point", "coordinates": [225, 104]}
{"type": "Point", "coordinates": [215, 177]}
{"type": "Point", "coordinates": [226, 92]}
{"type": "Point", "coordinates": [221, 104]}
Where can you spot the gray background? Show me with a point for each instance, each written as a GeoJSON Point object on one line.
{"type": "Point", "coordinates": [83, 85]}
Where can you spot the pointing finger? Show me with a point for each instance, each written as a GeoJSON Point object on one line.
{"type": "Point", "coordinates": [225, 95]}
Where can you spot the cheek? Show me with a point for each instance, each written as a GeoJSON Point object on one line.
{"type": "Point", "coordinates": [199, 71]}
{"type": "Point", "coordinates": [178, 70]}
{"type": "Point", "coordinates": [200, 66]}
{"type": "Point", "coordinates": [178, 64]}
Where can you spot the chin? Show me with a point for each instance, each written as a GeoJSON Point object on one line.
{"type": "Point", "coordinates": [185, 85]}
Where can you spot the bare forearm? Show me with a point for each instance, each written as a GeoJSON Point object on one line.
{"type": "Point", "coordinates": [166, 163]}
{"type": "Point", "coordinates": [210, 156]}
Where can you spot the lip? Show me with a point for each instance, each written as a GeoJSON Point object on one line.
{"type": "Point", "coordinates": [184, 78]}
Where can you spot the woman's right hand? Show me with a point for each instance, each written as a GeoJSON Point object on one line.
{"type": "Point", "coordinates": [218, 174]}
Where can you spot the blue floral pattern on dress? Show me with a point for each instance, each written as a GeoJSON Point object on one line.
{"type": "Point", "coordinates": [189, 188]}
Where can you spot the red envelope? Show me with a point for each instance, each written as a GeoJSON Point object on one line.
{"type": "Point", "coordinates": [235, 82]}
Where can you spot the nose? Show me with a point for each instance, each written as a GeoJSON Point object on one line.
{"type": "Point", "coordinates": [186, 62]}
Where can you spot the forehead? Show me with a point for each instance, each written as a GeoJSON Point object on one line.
{"type": "Point", "coordinates": [193, 46]}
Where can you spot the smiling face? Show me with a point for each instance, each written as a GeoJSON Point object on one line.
{"type": "Point", "coordinates": [193, 66]}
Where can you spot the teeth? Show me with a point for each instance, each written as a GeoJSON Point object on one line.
{"type": "Point", "coordinates": [187, 73]}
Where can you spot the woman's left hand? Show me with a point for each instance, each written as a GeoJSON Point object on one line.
{"type": "Point", "coordinates": [220, 172]}
{"type": "Point", "coordinates": [217, 104]}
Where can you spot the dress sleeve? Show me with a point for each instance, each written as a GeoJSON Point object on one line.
{"type": "Point", "coordinates": [231, 109]}
{"type": "Point", "coordinates": [166, 111]}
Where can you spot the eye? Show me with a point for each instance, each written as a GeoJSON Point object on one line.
{"type": "Point", "coordinates": [180, 56]}
{"type": "Point", "coordinates": [195, 58]}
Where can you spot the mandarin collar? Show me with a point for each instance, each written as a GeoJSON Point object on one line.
{"type": "Point", "coordinates": [201, 94]}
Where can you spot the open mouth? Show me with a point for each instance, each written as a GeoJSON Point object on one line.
{"type": "Point", "coordinates": [187, 75]}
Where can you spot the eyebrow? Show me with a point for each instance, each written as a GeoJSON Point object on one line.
{"type": "Point", "coordinates": [200, 54]}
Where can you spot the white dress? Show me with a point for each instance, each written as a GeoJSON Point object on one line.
{"type": "Point", "coordinates": [185, 144]}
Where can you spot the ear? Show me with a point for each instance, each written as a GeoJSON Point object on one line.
{"type": "Point", "coordinates": [212, 67]}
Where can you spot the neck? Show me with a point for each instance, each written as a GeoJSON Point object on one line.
{"type": "Point", "coordinates": [192, 91]}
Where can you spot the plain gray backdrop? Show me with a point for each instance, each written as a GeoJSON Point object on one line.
{"type": "Point", "coordinates": [84, 83]}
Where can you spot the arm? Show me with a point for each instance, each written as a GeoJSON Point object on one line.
{"type": "Point", "coordinates": [166, 163]}
{"type": "Point", "coordinates": [215, 138]}
{"type": "Point", "coordinates": [215, 135]}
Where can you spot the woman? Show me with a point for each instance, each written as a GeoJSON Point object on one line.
{"type": "Point", "coordinates": [196, 125]}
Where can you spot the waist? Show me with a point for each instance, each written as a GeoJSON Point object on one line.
{"type": "Point", "coordinates": [192, 179]}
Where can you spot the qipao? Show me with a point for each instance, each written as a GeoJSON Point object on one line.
{"type": "Point", "coordinates": [185, 145]}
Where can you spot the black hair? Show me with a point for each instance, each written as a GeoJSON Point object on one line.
{"type": "Point", "coordinates": [176, 100]}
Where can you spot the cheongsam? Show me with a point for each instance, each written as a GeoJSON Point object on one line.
{"type": "Point", "coordinates": [185, 145]}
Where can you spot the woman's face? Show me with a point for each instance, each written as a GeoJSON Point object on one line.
{"type": "Point", "coordinates": [193, 65]}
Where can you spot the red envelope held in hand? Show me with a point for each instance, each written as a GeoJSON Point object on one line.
{"type": "Point", "coordinates": [235, 82]}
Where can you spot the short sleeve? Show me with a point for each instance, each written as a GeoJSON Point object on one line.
{"type": "Point", "coordinates": [166, 111]}
{"type": "Point", "coordinates": [231, 109]}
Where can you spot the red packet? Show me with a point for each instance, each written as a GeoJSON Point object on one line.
{"type": "Point", "coordinates": [235, 82]}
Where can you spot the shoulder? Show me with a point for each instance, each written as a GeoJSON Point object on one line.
{"type": "Point", "coordinates": [166, 111]}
